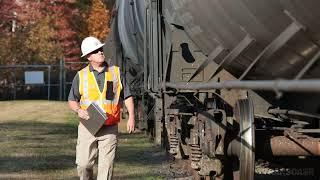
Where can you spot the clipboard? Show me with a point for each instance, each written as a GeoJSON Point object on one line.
{"type": "Point", "coordinates": [97, 118]}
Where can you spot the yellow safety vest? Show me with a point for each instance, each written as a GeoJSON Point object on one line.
{"type": "Point", "coordinates": [89, 91]}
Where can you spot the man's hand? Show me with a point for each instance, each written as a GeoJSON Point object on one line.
{"type": "Point", "coordinates": [130, 125]}
{"type": "Point", "coordinates": [75, 106]}
{"type": "Point", "coordinates": [83, 114]}
{"type": "Point", "coordinates": [130, 106]}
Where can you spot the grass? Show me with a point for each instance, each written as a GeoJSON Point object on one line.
{"type": "Point", "coordinates": [38, 139]}
{"type": "Point", "coordinates": [137, 158]}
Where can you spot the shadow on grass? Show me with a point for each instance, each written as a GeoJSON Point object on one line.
{"type": "Point", "coordinates": [44, 163]}
{"type": "Point", "coordinates": [36, 146]}
{"type": "Point", "coordinates": [48, 147]}
{"type": "Point", "coordinates": [138, 158]}
{"type": "Point", "coordinates": [137, 149]}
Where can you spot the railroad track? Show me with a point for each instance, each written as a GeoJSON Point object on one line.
{"type": "Point", "coordinates": [277, 169]}
{"type": "Point", "coordinates": [288, 168]}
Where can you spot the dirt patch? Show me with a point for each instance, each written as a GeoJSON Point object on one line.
{"type": "Point", "coordinates": [176, 170]}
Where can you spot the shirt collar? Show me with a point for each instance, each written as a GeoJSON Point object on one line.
{"type": "Point", "coordinates": [104, 69]}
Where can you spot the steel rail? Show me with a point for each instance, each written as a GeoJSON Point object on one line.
{"type": "Point", "coordinates": [271, 85]}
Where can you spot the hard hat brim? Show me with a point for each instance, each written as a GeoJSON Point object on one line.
{"type": "Point", "coordinates": [101, 45]}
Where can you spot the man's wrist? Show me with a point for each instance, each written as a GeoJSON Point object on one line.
{"type": "Point", "coordinates": [77, 110]}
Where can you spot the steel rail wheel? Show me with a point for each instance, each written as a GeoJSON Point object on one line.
{"type": "Point", "coordinates": [245, 116]}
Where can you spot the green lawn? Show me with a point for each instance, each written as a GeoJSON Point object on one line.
{"type": "Point", "coordinates": [38, 138]}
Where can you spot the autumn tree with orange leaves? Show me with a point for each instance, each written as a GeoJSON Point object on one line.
{"type": "Point", "coordinates": [43, 32]}
{"type": "Point", "coordinates": [98, 20]}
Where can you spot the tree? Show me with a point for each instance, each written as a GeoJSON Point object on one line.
{"type": "Point", "coordinates": [47, 30]}
{"type": "Point", "coordinates": [98, 20]}
{"type": "Point", "coordinates": [8, 10]}
{"type": "Point", "coordinates": [4, 53]}
{"type": "Point", "coordinates": [41, 42]}
{"type": "Point", "coordinates": [67, 33]}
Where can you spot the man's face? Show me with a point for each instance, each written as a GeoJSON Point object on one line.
{"type": "Point", "coordinates": [96, 56]}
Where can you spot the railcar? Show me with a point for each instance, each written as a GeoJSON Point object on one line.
{"type": "Point", "coordinates": [222, 82]}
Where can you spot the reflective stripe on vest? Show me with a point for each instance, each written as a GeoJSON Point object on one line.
{"type": "Point", "coordinates": [90, 92]}
{"type": "Point", "coordinates": [85, 84]}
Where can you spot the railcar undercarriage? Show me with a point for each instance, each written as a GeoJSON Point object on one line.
{"type": "Point", "coordinates": [221, 141]}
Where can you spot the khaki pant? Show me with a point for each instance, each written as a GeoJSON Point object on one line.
{"type": "Point", "coordinates": [102, 145]}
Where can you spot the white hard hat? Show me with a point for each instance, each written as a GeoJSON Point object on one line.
{"type": "Point", "coordinates": [90, 44]}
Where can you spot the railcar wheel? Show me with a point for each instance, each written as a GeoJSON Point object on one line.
{"type": "Point", "coordinates": [243, 146]}
{"type": "Point", "coordinates": [245, 116]}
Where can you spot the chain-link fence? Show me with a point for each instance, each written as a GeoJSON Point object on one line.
{"type": "Point", "coordinates": [50, 82]}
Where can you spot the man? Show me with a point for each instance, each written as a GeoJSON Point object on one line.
{"type": "Point", "coordinates": [101, 84]}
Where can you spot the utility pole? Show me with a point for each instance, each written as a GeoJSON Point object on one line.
{"type": "Point", "coordinates": [14, 22]}
{"type": "Point", "coordinates": [13, 30]}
